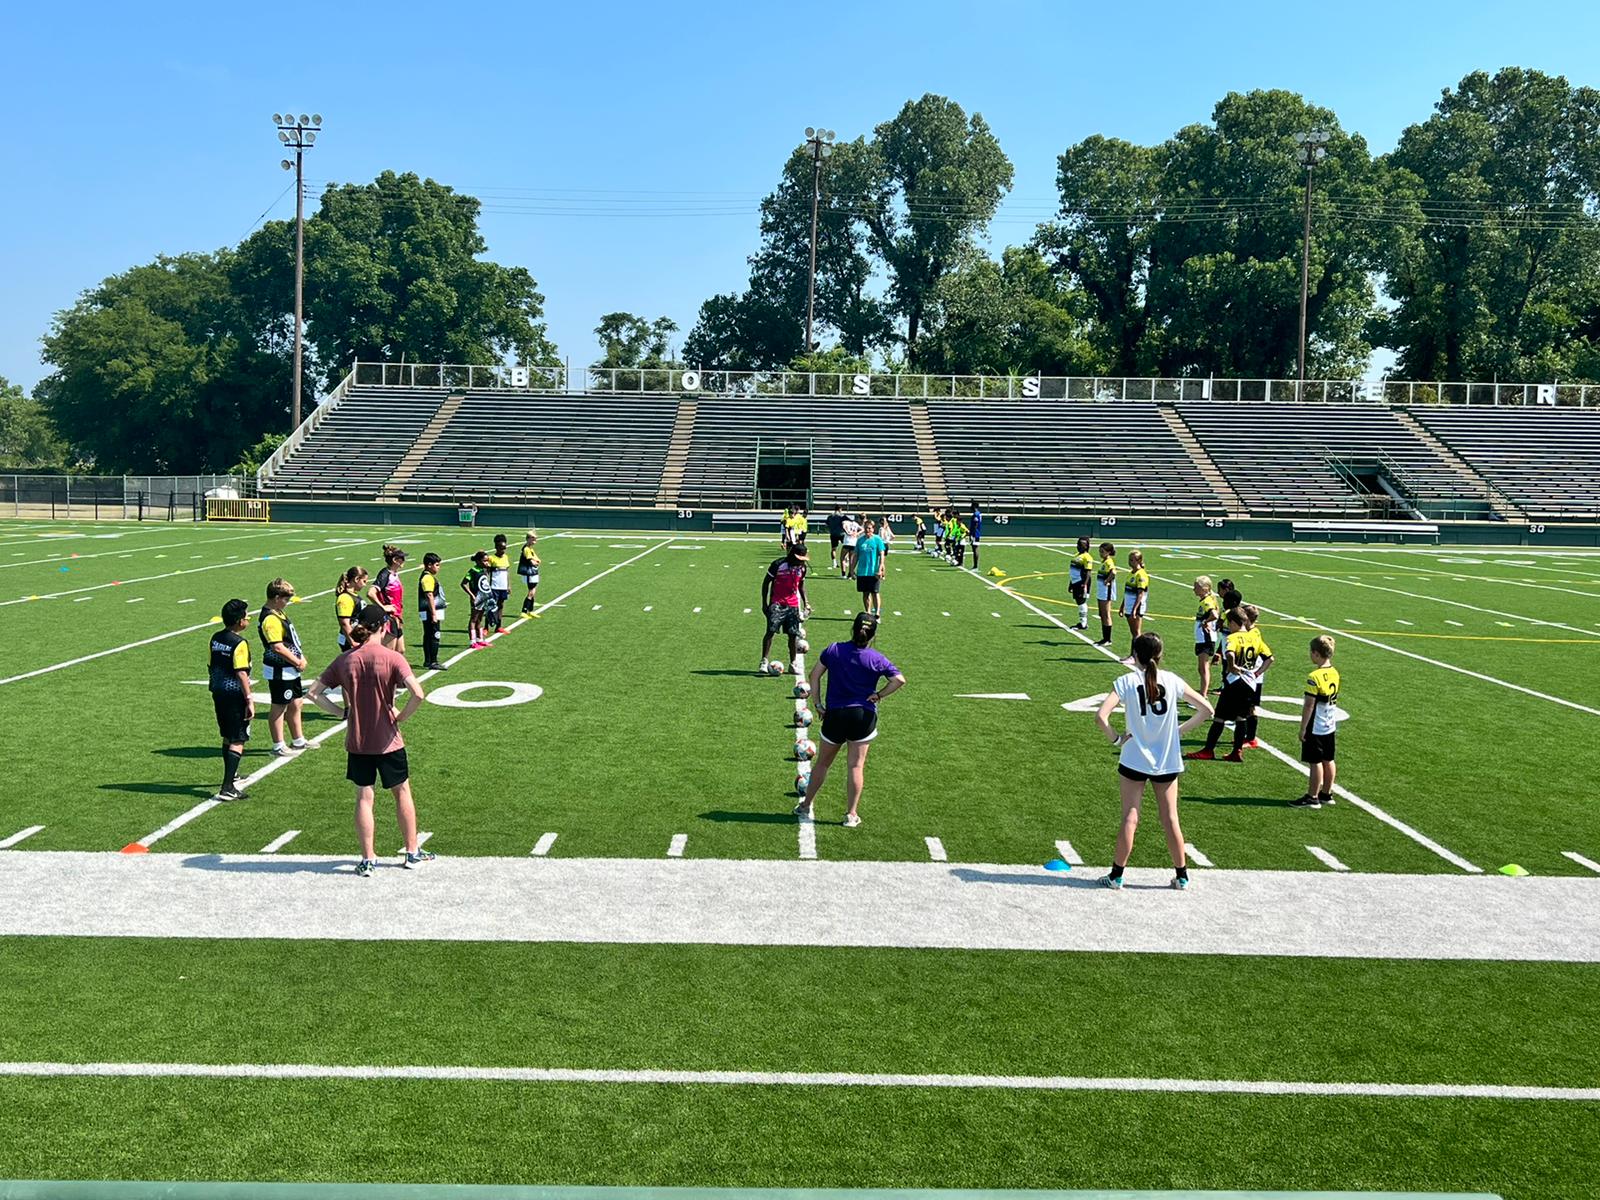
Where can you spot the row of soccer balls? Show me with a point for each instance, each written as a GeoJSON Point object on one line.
{"type": "Point", "coordinates": [804, 748]}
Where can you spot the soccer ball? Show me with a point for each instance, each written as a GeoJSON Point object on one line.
{"type": "Point", "coordinates": [801, 782]}
{"type": "Point", "coordinates": [802, 689]}
{"type": "Point", "coordinates": [774, 667]}
{"type": "Point", "coordinates": [805, 749]}
{"type": "Point", "coordinates": [802, 646]}
{"type": "Point", "coordinates": [803, 717]}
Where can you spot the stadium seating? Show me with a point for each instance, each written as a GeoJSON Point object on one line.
{"type": "Point", "coordinates": [1547, 460]}
{"type": "Point", "coordinates": [862, 450]}
{"type": "Point", "coordinates": [1066, 455]}
{"type": "Point", "coordinates": [1277, 458]}
{"type": "Point", "coordinates": [357, 446]}
{"type": "Point", "coordinates": [554, 449]}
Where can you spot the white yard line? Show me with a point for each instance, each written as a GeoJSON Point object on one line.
{"type": "Point", "coordinates": [1378, 587]}
{"type": "Point", "coordinates": [1364, 805]}
{"type": "Point", "coordinates": [205, 806]}
{"type": "Point", "coordinates": [659, 1076]}
{"type": "Point", "coordinates": [73, 662]}
{"type": "Point", "coordinates": [1199, 859]}
{"type": "Point", "coordinates": [1444, 571]}
{"type": "Point", "coordinates": [1588, 863]}
{"type": "Point", "coordinates": [279, 842]}
{"type": "Point", "coordinates": [422, 837]}
{"type": "Point", "coordinates": [542, 846]}
{"type": "Point", "coordinates": [808, 837]}
{"type": "Point", "coordinates": [675, 847]}
{"type": "Point", "coordinates": [122, 551]}
{"type": "Point", "coordinates": [936, 850]}
{"type": "Point", "coordinates": [1322, 856]}
{"type": "Point", "coordinates": [21, 835]}
{"type": "Point", "coordinates": [976, 906]}
{"type": "Point", "coordinates": [1068, 854]}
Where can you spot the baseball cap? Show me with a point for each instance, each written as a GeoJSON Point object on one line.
{"type": "Point", "coordinates": [373, 617]}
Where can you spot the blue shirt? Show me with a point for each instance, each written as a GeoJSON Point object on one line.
{"type": "Point", "coordinates": [853, 674]}
{"type": "Point", "coordinates": [977, 525]}
{"type": "Point", "coordinates": [869, 552]}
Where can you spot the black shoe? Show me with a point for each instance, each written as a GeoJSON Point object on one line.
{"type": "Point", "coordinates": [1103, 642]}
{"type": "Point", "coordinates": [230, 793]}
{"type": "Point", "coordinates": [1306, 801]}
{"type": "Point", "coordinates": [1326, 799]}
{"type": "Point", "coordinates": [434, 666]}
{"type": "Point", "coordinates": [1080, 625]}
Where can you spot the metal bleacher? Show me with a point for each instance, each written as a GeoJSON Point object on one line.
{"type": "Point", "coordinates": [1062, 455]}
{"type": "Point", "coordinates": [1299, 458]}
{"type": "Point", "coordinates": [862, 449]}
{"type": "Point", "coordinates": [588, 449]}
{"type": "Point", "coordinates": [1547, 460]}
{"type": "Point", "coordinates": [356, 447]}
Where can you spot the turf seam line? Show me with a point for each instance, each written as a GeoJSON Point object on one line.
{"type": "Point", "coordinates": [1365, 806]}
{"type": "Point", "coordinates": [659, 1076]}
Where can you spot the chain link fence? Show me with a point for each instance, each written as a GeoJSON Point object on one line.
{"type": "Point", "coordinates": [113, 497]}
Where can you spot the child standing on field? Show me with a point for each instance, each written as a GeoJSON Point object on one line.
{"type": "Point", "coordinates": [1318, 723]}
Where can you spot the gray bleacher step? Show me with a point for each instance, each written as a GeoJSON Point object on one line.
{"type": "Point", "coordinates": [671, 485]}
{"type": "Point", "coordinates": [408, 465]}
{"type": "Point", "coordinates": [933, 480]}
{"type": "Point", "coordinates": [1202, 461]}
{"type": "Point", "coordinates": [1498, 501]}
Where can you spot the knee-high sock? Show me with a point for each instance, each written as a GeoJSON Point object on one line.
{"type": "Point", "coordinates": [1214, 735]}
{"type": "Point", "coordinates": [1083, 613]}
{"type": "Point", "coordinates": [230, 766]}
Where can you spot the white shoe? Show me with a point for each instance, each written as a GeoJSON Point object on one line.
{"type": "Point", "coordinates": [794, 668]}
{"type": "Point", "coordinates": [280, 750]}
{"type": "Point", "coordinates": [301, 744]}
{"type": "Point", "coordinates": [762, 669]}
{"type": "Point", "coordinates": [851, 820]}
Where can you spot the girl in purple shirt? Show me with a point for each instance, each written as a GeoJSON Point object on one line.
{"type": "Point", "coordinates": [850, 716]}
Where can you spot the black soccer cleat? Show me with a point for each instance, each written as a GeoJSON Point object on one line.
{"type": "Point", "coordinates": [1306, 801]}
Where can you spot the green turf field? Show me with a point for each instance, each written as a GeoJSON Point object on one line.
{"type": "Point", "coordinates": [1465, 674]}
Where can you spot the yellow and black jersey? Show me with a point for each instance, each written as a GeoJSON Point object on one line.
{"type": "Point", "coordinates": [277, 629]}
{"type": "Point", "coordinates": [1262, 649]}
{"type": "Point", "coordinates": [1206, 619]}
{"type": "Point", "coordinates": [528, 563]}
{"type": "Point", "coordinates": [1244, 650]}
{"type": "Point", "coordinates": [1081, 567]}
{"type": "Point", "coordinates": [1138, 581]}
{"type": "Point", "coordinates": [230, 654]}
{"type": "Point", "coordinates": [1323, 686]}
{"type": "Point", "coordinates": [428, 585]}
{"type": "Point", "coordinates": [1108, 570]}
{"type": "Point", "coordinates": [345, 605]}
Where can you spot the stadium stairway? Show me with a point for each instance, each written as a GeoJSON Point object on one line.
{"type": "Point", "coordinates": [1498, 500]}
{"type": "Point", "coordinates": [419, 449]}
{"type": "Point", "coordinates": [1208, 469]}
{"type": "Point", "coordinates": [677, 455]}
{"type": "Point", "coordinates": [933, 480]}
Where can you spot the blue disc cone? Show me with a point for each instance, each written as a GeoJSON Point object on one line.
{"type": "Point", "coordinates": [1058, 864]}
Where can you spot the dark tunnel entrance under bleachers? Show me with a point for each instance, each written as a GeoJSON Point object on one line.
{"type": "Point", "coordinates": [783, 473]}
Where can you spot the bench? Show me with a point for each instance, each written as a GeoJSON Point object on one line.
{"type": "Point", "coordinates": [760, 519]}
{"type": "Point", "coordinates": [1397, 531]}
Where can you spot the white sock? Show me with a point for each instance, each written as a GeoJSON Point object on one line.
{"type": "Point", "coordinates": [1083, 614]}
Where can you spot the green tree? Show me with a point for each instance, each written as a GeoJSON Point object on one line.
{"type": "Point", "coordinates": [1191, 251]}
{"type": "Point", "coordinates": [394, 273]}
{"type": "Point", "coordinates": [931, 181]}
{"type": "Point", "coordinates": [28, 440]}
{"type": "Point", "coordinates": [632, 341]}
{"type": "Point", "coordinates": [255, 456]}
{"type": "Point", "coordinates": [161, 369]}
{"type": "Point", "coordinates": [1012, 316]}
{"type": "Point", "coordinates": [1502, 277]}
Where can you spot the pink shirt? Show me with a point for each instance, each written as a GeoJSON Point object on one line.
{"type": "Point", "coordinates": [786, 579]}
{"type": "Point", "coordinates": [368, 677]}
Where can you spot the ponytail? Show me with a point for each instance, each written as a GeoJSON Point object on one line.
{"type": "Point", "coordinates": [390, 553]}
{"type": "Point", "coordinates": [1147, 653]}
{"type": "Point", "coordinates": [359, 633]}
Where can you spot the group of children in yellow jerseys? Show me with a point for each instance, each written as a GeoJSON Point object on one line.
{"type": "Point", "coordinates": [1225, 635]}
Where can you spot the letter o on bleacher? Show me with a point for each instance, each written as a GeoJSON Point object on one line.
{"type": "Point", "coordinates": [689, 381]}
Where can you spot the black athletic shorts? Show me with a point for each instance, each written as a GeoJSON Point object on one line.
{"type": "Point", "coordinates": [1205, 649]}
{"type": "Point", "coordinates": [285, 690]}
{"type": "Point", "coordinates": [1236, 701]}
{"type": "Point", "coordinates": [1317, 748]}
{"type": "Point", "coordinates": [869, 585]}
{"type": "Point", "coordinates": [834, 539]}
{"type": "Point", "coordinates": [233, 717]}
{"type": "Point", "coordinates": [392, 768]}
{"type": "Point", "coordinates": [1141, 777]}
{"type": "Point", "coordinates": [854, 724]}
{"type": "Point", "coordinates": [1080, 591]}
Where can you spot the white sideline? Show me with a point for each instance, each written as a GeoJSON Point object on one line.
{"type": "Point", "coordinates": [123, 551]}
{"type": "Point", "coordinates": [785, 902]}
{"type": "Point", "coordinates": [667, 1076]}
{"type": "Point", "coordinates": [205, 806]}
{"type": "Point", "coordinates": [1365, 806]}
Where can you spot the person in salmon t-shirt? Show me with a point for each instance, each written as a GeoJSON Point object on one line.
{"type": "Point", "coordinates": [368, 676]}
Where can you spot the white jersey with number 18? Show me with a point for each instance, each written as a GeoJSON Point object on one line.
{"type": "Point", "coordinates": [1153, 746]}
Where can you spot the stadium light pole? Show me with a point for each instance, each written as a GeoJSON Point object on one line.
{"type": "Point", "coordinates": [820, 142]}
{"type": "Point", "coordinates": [299, 136]}
{"type": "Point", "coordinates": [1313, 149]}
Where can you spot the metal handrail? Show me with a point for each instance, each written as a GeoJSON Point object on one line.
{"type": "Point", "coordinates": [681, 380]}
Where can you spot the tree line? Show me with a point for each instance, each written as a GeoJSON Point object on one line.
{"type": "Point", "coordinates": [1471, 250]}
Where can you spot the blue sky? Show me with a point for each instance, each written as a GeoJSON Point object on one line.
{"type": "Point", "coordinates": [145, 129]}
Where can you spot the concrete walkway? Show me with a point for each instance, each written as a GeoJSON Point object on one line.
{"type": "Point", "coordinates": [801, 903]}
